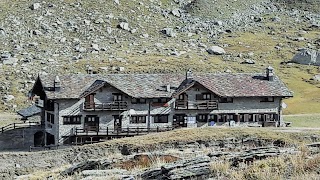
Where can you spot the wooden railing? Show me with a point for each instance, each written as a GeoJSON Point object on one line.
{"type": "Point", "coordinates": [129, 131]}
{"type": "Point", "coordinates": [114, 105]}
{"type": "Point", "coordinates": [18, 125]}
{"type": "Point", "coordinates": [199, 104]}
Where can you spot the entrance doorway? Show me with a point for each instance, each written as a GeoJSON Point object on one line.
{"type": "Point", "coordinates": [179, 120]}
{"type": "Point", "coordinates": [50, 139]}
{"type": "Point", "coordinates": [117, 122]}
{"type": "Point", "coordinates": [91, 123]}
{"type": "Point", "coordinates": [38, 139]}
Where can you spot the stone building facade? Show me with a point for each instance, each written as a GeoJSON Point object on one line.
{"type": "Point", "coordinates": [123, 101]}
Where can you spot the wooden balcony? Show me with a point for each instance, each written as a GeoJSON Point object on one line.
{"type": "Point", "coordinates": [108, 106]}
{"type": "Point", "coordinates": [199, 104]}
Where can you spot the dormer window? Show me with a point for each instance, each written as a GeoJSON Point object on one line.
{"type": "Point", "coordinates": [267, 99]}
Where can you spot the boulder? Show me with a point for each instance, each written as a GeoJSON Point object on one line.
{"type": "Point", "coordinates": [35, 6]}
{"type": "Point", "coordinates": [194, 168]}
{"type": "Point", "coordinates": [176, 12]}
{"type": "Point", "coordinates": [8, 98]}
{"type": "Point", "coordinates": [248, 61]}
{"type": "Point", "coordinates": [10, 61]}
{"type": "Point", "coordinates": [316, 77]}
{"type": "Point", "coordinates": [87, 165]}
{"type": "Point", "coordinates": [169, 32]}
{"type": "Point", "coordinates": [307, 57]}
{"type": "Point", "coordinates": [124, 26]}
{"type": "Point", "coordinates": [216, 50]}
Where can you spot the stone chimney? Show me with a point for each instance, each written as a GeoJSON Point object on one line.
{"type": "Point", "coordinates": [189, 75]}
{"type": "Point", "coordinates": [57, 84]}
{"type": "Point", "coordinates": [168, 88]}
{"type": "Point", "coordinates": [89, 70]}
{"type": "Point", "coordinates": [269, 72]}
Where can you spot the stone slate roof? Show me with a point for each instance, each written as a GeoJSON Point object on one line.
{"type": "Point", "coordinates": [30, 111]}
{"type": "Point", "coordinates": [243, 85]}
{"type": "Point", "coordinates": [72, 85]}
{"type": "Point", "coordinates": [139, 85]}
{"type": "Point", "coordinates": [154, 85]}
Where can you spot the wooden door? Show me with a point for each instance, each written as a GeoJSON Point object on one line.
{"type": "Point", "coordinates": [89, 101]}
{"type": "Point", "coordinates": [179, 121]}
{"type": "Point", "coordinates": [91, 123]}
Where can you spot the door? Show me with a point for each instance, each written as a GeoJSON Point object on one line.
{"type": "Point", "coordinates": [89, 102]}
{"type": "Point", "coordinates": [117, 122]}
{"type": "Point", "coordinates": [179, 120]}
{"type": "Point", "coordinates": [91, 123]}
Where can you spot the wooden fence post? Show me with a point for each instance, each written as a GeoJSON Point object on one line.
{"type": "Point", "coordinates": [127, 131]}
{"type": "Point", "coordinates": [14, 125]}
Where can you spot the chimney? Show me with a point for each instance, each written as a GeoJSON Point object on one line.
{"type": "Point", "coordinates": [89, 70]}
{"type": "Point", "coordinates": [189, 75]}
{"type": "Point", "coordinates": [269, 72]}
{"type": "Point", "coordinates": [168, 88]}
{"type": "Point", "coordinates": [57, 83]}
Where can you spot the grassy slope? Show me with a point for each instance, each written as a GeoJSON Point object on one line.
{"type": "Point", "coordinates": [310, 121]}
{"type": "Point", "coordinates": [306, 96]}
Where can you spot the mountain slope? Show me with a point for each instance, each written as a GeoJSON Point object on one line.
{"type": "Point", "coordinates": [156, 36]}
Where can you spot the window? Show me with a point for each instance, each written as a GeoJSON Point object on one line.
{"type": "Point", "coordinates": [202, 117]}
{"type": "Point", "coordinates": [160, 119]}
{"type": "Point", "coordinates": [206, 96]}
{"type": "Point", "coordinates": [181, 96]}
{"type": "Point", "coordinates": [50, 118]}
{"type": "Point", "coordinates": [71, 120]}
{"type": "Point", "coordinates": [138, 119]}
{"type": "Point", "coordinates": [213, 117]}
{"type": "Point", "coordinates": [267, 99]}
{"type": "Point", "coordinates": [225, 117]}
{"type": "Point", "coordinates": [117, 97]}
{"type": "Point", "coordinates": [226, 100]}
{"type": "Point", "coordinates": [138, 101]}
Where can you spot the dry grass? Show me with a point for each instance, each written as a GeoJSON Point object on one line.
{"type": "Point", "coordinates": [8, 118]}
{"type": "Point", "coordinates": [283, 167]}
{"type": "Point", "coordinates": [146, 161]}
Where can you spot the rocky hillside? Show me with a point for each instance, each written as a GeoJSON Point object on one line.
{"type": "Point", "coordinates": [126, 36]}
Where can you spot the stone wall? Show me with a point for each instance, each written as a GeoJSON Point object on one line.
{"type": "Point", "coordinates": [18, 139]}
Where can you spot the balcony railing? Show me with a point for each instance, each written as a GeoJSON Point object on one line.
{"type": "Point", "coordinates": [109, 106]}
{"type": "Point", "coordinates": [199, 104]}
